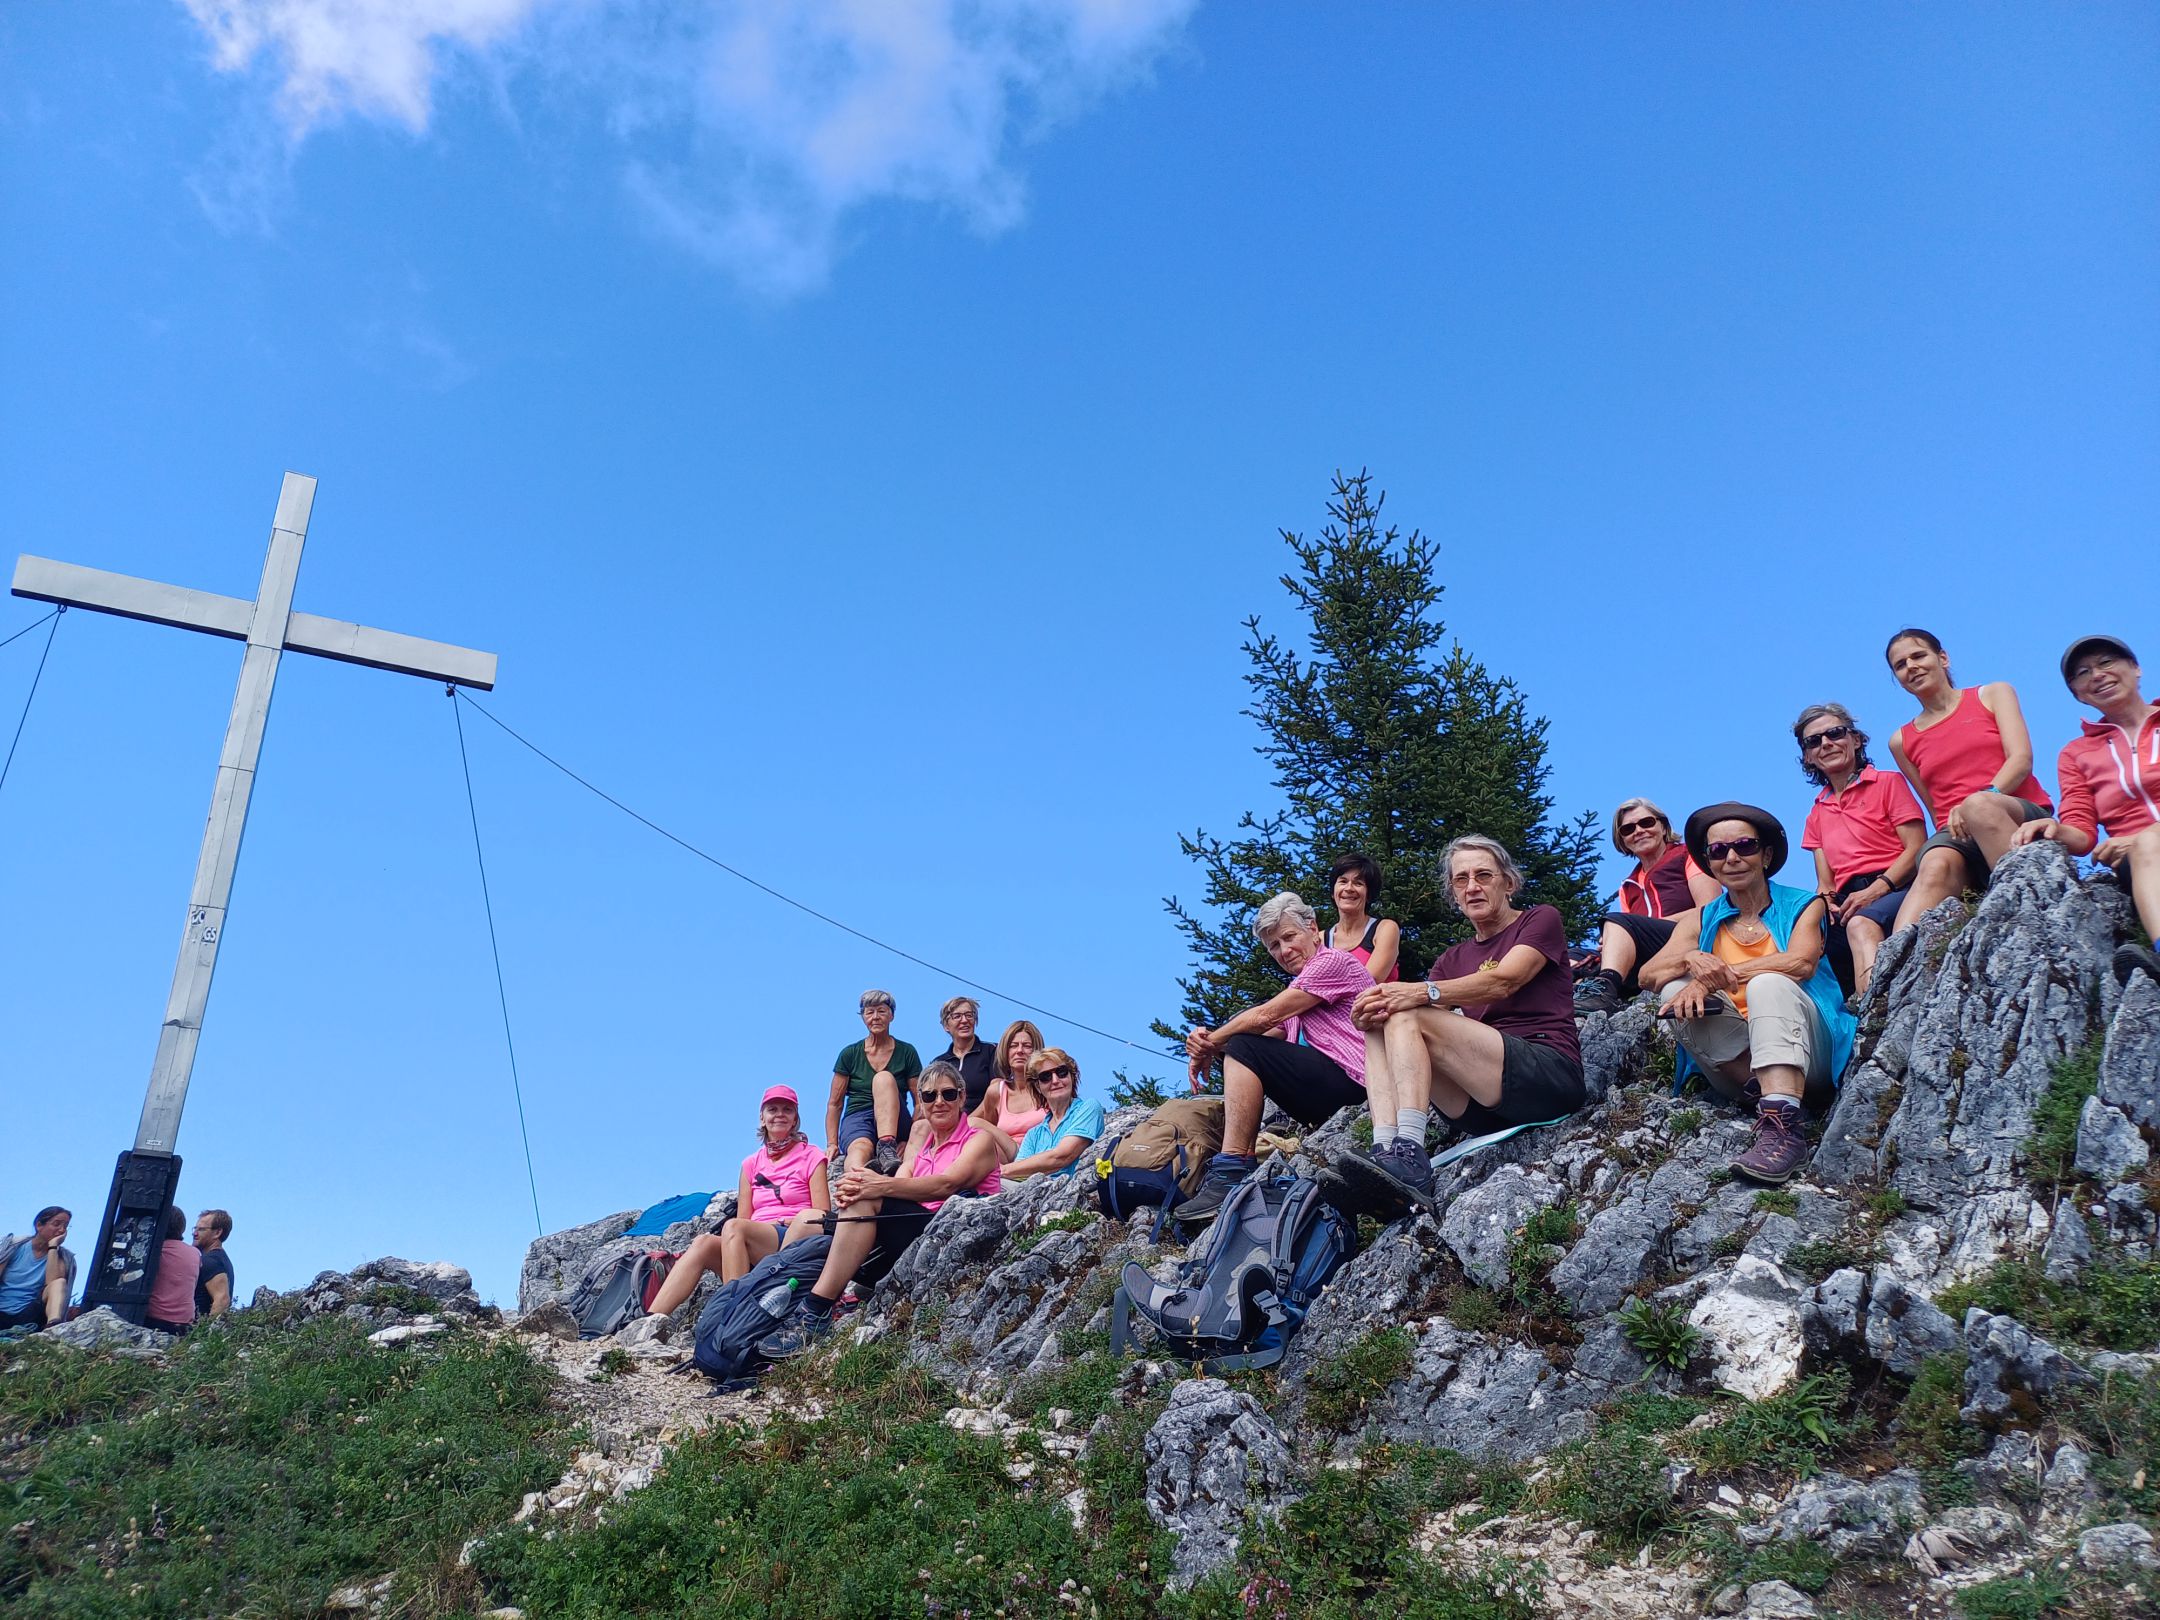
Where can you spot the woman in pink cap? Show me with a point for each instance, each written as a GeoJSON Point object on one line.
{"type": "Point", "coordinates": [783, 1178]}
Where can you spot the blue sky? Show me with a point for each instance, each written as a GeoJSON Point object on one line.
{"type": "Point", "coordinates": [860, 431]}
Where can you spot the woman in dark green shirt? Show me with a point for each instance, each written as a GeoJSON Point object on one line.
{"type": "Point", "coordinates": [873, 1091]}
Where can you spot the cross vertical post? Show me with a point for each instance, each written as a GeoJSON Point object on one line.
{"type": "Point", "coordinates": [174, 1064]}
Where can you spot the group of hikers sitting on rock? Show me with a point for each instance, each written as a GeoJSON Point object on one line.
{"type": "Point", "coordinates": [1757, 978]}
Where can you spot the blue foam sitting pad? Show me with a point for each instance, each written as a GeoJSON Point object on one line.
{"type": "Point", "coordinates": [682, 1207]}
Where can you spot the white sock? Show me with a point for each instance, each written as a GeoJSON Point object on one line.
{"type": "Point", "coordinates": [1382, 1135]}
{"type": "Point", "coordinates": [1410, 1126]}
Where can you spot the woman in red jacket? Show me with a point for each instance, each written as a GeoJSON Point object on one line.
{"type": "Point", "coordinates": [1666, 881]}
{"type": "Point", "coordinates": [1969, 757]}
{"type": "Point", "coordinates": [2110, 777]}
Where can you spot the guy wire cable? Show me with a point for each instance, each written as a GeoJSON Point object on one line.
{"type": "Point", "coordinates": [22, 720]}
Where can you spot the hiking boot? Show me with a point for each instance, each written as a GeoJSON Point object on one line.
{"type": "Point", "coordinates": [2131, 959]}
{"type": "Point", "coordinates": [1597, 994]}
{"type": "Point", "coordinates": [1779, 1146]}
{"type": "Point", "coordinates": [1390, 1182]}
{"type": "Point", "coordinates": [800, 1330]}
{"type": "Point", "coordinates": [1207, 1201]}
{"type": "Point", "coordinates": [885, 1157]}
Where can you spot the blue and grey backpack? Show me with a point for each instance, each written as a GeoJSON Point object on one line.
{"type": "Point", "coordinates": [735, 1319]}
{"type": "Point", "coordinates": [1247, 1286]}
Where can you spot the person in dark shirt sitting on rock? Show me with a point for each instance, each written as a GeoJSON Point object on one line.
{"type": "Point", "coordinates": [1488, 1039]}
{"type": "Point", "coordinates": [953, 1158]}
{"type": "Point", "coordinates": [965, 1051]}
{"type": "Point", "coordinates": [2110, 781]}
{"type": "Point", "coordinates": [1666, 881]}
{"type": "Point", "coordinates": [873, 1082]}
{"type": "Point", "coordinates": [1754, 1003]}
{"type": "Point", "coordinates": [214, 1282]}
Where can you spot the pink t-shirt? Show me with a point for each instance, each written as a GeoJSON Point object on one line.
{"type": "Point", "coordinates": [172, 1296]}
{"type": "Point", "coordinates": [938, 1157]}
{"type": "Point", "coordinates": [789, 1194]}
{"type": "Point", "coordinates": [1857, 830]}
{"type": "Point", "coordinates": [1337, 978]}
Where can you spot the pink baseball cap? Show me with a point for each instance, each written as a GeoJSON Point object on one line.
{"type": "Point", "coordinates": [784, 1094]}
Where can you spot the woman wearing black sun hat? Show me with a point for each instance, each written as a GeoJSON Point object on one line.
{"type": "Point", "coordinates": [1753, 1000]}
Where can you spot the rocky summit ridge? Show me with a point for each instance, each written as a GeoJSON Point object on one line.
{"type": "Point", "coordinates": [1881, 1388]}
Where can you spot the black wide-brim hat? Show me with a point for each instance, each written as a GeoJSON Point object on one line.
{"type": "Point", "coordinates": [1767, 827]}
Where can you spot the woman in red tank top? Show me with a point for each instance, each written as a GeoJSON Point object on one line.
{"type": "Point", "coordinates": [1969, 757]}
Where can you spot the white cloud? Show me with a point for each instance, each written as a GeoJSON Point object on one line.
{"type": "Point", "coordinates": [750, 130]}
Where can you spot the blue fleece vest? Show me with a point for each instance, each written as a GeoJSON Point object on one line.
{"type": "Point", "coordinates": [1781, 917]}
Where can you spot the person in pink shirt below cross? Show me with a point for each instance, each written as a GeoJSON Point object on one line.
{"type": "Point", "coordinates": [171, 1306]}
{"type": "Point", "coordinates": [784, 1177]}
{"type": "Point", "coordinates": [1969, 757]}
{"type": "Point", "coordinates": [2110, 779]}
{"type": "Point", "coordinates": [1865, 830]}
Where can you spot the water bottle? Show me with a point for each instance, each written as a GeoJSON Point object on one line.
{"type": "Point", "coordinates": [776, 1301]}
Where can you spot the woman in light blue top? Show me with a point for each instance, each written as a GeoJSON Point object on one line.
{"type": "Point", "coordinates": [1056, 1145]}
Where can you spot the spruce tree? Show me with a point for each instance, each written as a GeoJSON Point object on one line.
{"type": "Point", "coordinates": [1384, 737]}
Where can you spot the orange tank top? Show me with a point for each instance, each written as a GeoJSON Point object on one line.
{"type": "Point", "coordinates": [1727, 949]}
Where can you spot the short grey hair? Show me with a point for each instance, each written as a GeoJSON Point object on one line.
{"type": "Point", "coordinates": [1490, 846]}
{"type": "Point", "coordinates": [943, 1069]}
{"type": "Point", "coordinates": [1274, 913]}
{"type": "Point", "coordinates": [876, 998]}
{"type": "Point", "coordinates": [945, 1013]}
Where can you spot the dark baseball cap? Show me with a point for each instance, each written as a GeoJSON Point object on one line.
{"type": "Point", "coordinates": [2113, 644]}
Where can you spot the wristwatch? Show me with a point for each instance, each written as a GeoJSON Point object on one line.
{"type": "Point", "coordinates": [1432, 993]}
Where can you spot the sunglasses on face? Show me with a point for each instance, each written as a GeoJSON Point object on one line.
{"type": "Point", "coordinates": [1829, 734]}
{"type": "Point", "coordinates": [1062, 1072]}
{"type": "Point", "coordinates": [1743, 847]}
{"type": "Point", "coordinates": [943, 1094]}
{"type": "Point", "coordinates": [1628, 829]}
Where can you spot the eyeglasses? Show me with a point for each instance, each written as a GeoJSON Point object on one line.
{"type": "Point", "coordinates": [1828, 734]}
{"type": "Point", "coordinates": [943, 1094]}
{"type": "Point", "coordinates": [1742, 847]}
{"type": "Point", "coordinates": [1629, 828]}
{"type": "Point", "coordinates": [1062, 1072]}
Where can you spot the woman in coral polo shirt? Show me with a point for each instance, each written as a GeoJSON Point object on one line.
{"type": "Point", "coordinates": [2110, 777]}
{"type": "Point", "coordinates": [1969, 757]}
{"type": "Point", "coordinates": [1865, 830]}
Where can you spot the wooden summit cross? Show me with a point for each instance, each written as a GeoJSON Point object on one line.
{"type": "Point", "coordinates": [124, 1264]}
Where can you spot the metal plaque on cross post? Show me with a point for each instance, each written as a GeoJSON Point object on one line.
{"type": "Point", "coordinates": [123, 1267]}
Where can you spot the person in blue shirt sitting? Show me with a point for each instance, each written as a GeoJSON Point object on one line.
{"type": "Point", "coordinates": [37, 1273]}
{"type": "Point", "coordinates": [1055, 1145]}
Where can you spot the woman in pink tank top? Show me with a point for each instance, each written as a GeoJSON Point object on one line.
{"type": "Point", "coordinates": [1969, 757]}
{"type": "Point", "coordinates": [784, 1178]}
{"type": "Point", "coordinates": [1010, 1107]}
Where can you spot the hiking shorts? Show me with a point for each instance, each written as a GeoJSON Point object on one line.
{"type": "Point", "coordinates": [30, 1316]}
{"type": "Point", "coordinates": [1307, 1085]}
{"type": "Point", "coordinates": [1649, 935]}
{"type": "Point", "coordinates": [1976, 868]}
{"type": "Point", "coordinates": [1537, 1083]}
{"type": "Point", "coordinates": [860, 1125]}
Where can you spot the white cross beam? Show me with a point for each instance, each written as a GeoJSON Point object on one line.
{"type": "Point", "coordinates": [270, 627]}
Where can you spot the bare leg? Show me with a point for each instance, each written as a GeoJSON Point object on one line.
{"type": "Point", "coordinates": [885, 1103]}
{"type": "Point", "coordinates": [755, 1240]}
{"type": "Point", "coordinates": [1864, 939]}
{"type": "Point", "coordinates": [852, 1244]}
{"type": "Point", "coordinates": [707, 1253]}
{"type": "Point", "coordinates": [1464, 1061]}
{"type": "Point", "coordinates": [1616, 950]}
{"type": "Point", "coordinates": [1380, 1090]}
{"type": "Point", "coordinates": [2145, 880]}
{"type": "Point", "coordinates": [1781, 1080]}
{"type": "Point", "coordinates": [1991, 823]}
{"type": "Point", "coordinates": [1242, 1102]}
{"type": "Point", "coordinates": [1940, 875]}
{"type": "Point", "coordinates": [1409, 1062]}
{"type": "Point", "coordinates": [56, 1286]}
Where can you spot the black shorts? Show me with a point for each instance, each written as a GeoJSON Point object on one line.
{"type": "Point", "coordinates": [30, 1316]}
{"type": "Point", "coordinates": [1976, 867]}
{"type": "Point", "coordinates": [900, 1221]}
{"type": "Point", "coordinates": [1537, 1083]}
{"type": "Point", "coordinates": [1649, 935]}
{"type": "Point", "coordinates": [1307, 1085]}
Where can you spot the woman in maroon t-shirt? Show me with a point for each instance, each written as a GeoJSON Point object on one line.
{"type": "Point", "coordinates": [1665, 882]}
{"type": "Point", "coordinates": [1489, 1037]}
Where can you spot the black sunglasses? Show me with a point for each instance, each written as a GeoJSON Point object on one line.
{"type": "Point", "coordinates": [1828, 734]}
{"type": "Point", "coordinates": [1738, 846]}
{"type": "Point", "coordinates": [1629, 827]}
{"type": "Point", "coordinates": [1062, 1072]}
{"type": "Point", "coordinates": [943, 1094]}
